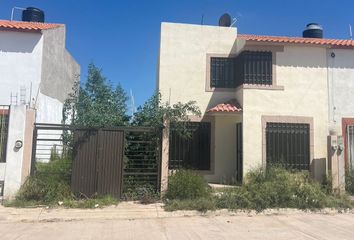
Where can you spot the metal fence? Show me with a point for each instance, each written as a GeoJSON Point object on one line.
{"type": "Point", "coordinates": [107, 161]}
{"type": "Point", "coordinates": [350, 134]}
{"type": "Point", "coordinates": [4, 124]}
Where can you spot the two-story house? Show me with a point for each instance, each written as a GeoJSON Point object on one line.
{"type": "Point", "coordinates": [37, 73]}
{"type": "Point", "coordinates": [264, 99]}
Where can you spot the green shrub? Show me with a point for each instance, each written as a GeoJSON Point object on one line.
{"type": "Point", "coordinates": [279, 188]}
{"type": "Point", "coordinates": [185, 184]}
{"type": "Point", "coordinates": [50, 183]}
{"type": "Point", "coordinates": [349, 181]}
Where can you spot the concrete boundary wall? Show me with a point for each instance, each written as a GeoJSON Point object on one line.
{"type": "Point", "coordinates": [17, 156]}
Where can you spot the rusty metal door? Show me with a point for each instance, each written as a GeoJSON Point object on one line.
{"type": "Point", "coordinates": [97, 165]}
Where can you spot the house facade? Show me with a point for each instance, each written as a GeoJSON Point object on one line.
{"type": "Point", "coordinates": [35, 68]}
{"type": "Point", "coordinates": [37, 74]}
{"type": "Point", "coordinates": [263, 99]}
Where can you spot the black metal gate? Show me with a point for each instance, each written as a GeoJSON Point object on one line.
{"type": "Point", "coordinates": [108, 161]}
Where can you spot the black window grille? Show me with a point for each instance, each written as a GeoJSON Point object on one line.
{"type": "Point", "coordinates": [223, 72]}
{"type": "Point", "coordinates": [288, 145]}
{"type": "Point", "coordinates": [257, 67]}
{"type": "Point", "coordinates": [192, 152]}
{"type": "Point", "coordinates": [248, 67]}
{"type": "Point", "coordinates": [4, 123]}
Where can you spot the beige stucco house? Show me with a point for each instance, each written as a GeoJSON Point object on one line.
{"type": "Point", "coordinates": [264, 99]}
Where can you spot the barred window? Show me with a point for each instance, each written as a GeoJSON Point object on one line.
{"type": "Point", "coordinates": [288, 145]}
{"type": "Point", "coordinates": [249, 67]}
{"type": "Point", "coordinates": [191, 152]}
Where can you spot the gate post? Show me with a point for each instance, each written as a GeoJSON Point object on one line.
{"type": "Point", "coordinates": [336, 162]}
{"type": "Point", "coordinates": [165, 155]}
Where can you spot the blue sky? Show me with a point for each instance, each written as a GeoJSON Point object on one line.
{"type": "Point", "coordinates": [122, 37]}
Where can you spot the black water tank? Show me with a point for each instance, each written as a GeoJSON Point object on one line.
{"type": "Point", "coordinates": [32, 14]}
{"type": "Point", "coordinates": [225, 20]}
{"type": "Point", "coordinates": [313, 30]}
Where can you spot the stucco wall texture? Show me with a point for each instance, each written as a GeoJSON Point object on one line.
{"type": "Point", "coordinates": [305, 73]}
{"type": "Point", "coordinates": [40, 63]}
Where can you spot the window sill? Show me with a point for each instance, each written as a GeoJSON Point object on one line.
{"type": "Point", "coordinates": [247, 86]}
{"type": "Point", "coordinates": [261, 87]}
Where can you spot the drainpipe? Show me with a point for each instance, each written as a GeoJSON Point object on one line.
{"type": "Point", "coordinates": [330, 55]}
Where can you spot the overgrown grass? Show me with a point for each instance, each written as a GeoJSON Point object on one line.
{"type": "Point", "coordinates": [145, 194]}
{"type": "Point", "coordinates": [50, 183]}
{"type": "Point", "coordinates": [273, 188]}
{"type": "Point", "coordinates": [185, 185]}
{"type": "Point", "coordinates": [97, 202]}
{"type": "Point", "coordinates": [188, 191]}
{"type": "Point", "coordinates": [50, 186]}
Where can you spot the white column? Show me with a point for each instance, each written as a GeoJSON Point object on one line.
{"type": "Point", "coordinates": [14, 156]}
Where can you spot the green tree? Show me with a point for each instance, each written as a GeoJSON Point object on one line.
{"type": "Point", "coordinates": [154, 111]}
{"type": "Point", "coordinates": [97, 103]}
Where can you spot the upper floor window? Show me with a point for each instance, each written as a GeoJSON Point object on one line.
{"type": "Point", "coordinates": [249, 67]}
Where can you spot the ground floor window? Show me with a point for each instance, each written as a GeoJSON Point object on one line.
{"type": "Point", "coordinates": [192, 152]}
{"type": "Point", "coordinates": [288, 144]}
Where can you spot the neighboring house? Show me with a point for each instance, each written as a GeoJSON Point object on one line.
{"type": "Point", "coordinates": [36, 75]}
{"type": "Point", "coordinates": [35, 68]}
{"type": "Point", "coordinates": [264, 99]}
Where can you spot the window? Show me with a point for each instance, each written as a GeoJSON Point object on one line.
{"type": "Point", "coordinates": [288, 145]}
{"type": "Point", "coordinates": [223, 72]}
{"type": "Point", "coordinates": [4, 122]}
{"type": "Point", "coordinates": [249, 67]}
{"type": "Point", "coordinates": [191, 152]}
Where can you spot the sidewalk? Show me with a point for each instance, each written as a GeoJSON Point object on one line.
{"type": "Point", "coordinates": [136, 221]}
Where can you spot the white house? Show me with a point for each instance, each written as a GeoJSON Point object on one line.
{"type": "Point", "coordinates": [36, 75]}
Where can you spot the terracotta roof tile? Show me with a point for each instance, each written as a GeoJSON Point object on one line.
{"type": "Point", "coordinates": [231, 106]}
{"type": "Point", "coordinates": [27, 26]}
{"type": "Point", "coordinates": [299, 40]}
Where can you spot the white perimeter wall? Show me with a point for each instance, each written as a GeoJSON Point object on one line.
{"type": "Point", "coordinates": [20, 63]}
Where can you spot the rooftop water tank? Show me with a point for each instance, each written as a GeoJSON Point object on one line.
{"type": "Point", "coordinates": [313, 30]}
{"type": "Point", "coordinates": [225, 20]}
{"type": "Point", "coordinates": [32, 14]}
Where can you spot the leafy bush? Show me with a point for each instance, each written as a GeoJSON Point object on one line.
{"type": "Point", "coordinates": [50, 183]}
{"type": "Point", "coordinates": [185, 184]}
{"type": "Point", "coordinates": [279, 188]}
{"type": "Point", "coordinates": [349, 181]}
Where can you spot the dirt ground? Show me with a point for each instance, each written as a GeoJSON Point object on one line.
{"type": "Point", "coordinates": [135, 221]}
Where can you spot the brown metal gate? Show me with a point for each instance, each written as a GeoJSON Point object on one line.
{"type": "Point", "coordinates": [98, 162]}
